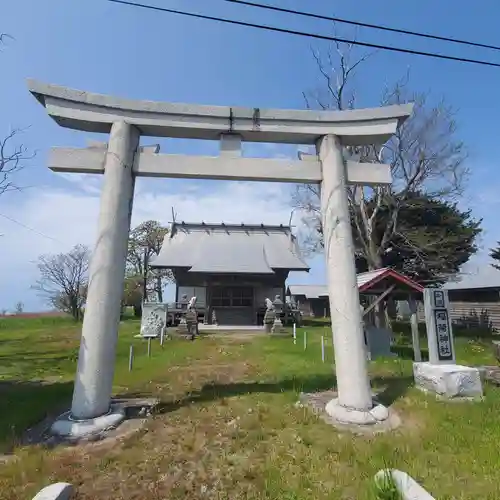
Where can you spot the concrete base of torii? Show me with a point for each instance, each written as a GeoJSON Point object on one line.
{"type": "Point", "coordinates": [344, 415]}
{"type": "Point", "coordinates": [68, 427]}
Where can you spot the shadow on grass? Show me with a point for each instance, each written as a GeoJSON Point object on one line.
{"type": "Point", "coordinates": [26, 404]}
{"type": "Point", "coordinates": [309, 321]}
{"type": "Point", "coordinates": [469, 330]}
{"type": "Point", "coordinates": [38, 365]}
{"type": "Point", "coordinates": [393, 388]}
{"type": "Point", "coordinates": [406, 352]}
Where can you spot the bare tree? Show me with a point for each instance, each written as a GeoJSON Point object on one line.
{"type": "Point", "coordinates": [64, 279]}
{"type": "Point", "coordinates": [3, 37]}
{"type": "Point", "coordinates": [425, 157]}
{"type": "Point", "coordinates": [145, 242]}
{"type": "Point", "coordinates": [12, 160]}
{"type": "Point", "coordinates": [12, 156]}
{"type": "Point", "coordinates": [19, 308]}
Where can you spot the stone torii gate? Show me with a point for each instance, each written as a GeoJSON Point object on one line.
{"type": "Point", "coordinates": [121, 160]}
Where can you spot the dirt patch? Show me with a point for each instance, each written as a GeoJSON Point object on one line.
{"type": "Point", "coordinates": [246, 336]}
{"type": "Point", "coordinates": [490, 374]}
{"type": "Point", "coordinates": [137, 411]}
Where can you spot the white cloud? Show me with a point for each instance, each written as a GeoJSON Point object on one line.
{"type": "Point", "coordinates": [69, 216]}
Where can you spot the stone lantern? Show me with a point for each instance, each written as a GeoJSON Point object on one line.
{"type": "Point", "coordinates": [184, 302]}
{"type": "Point", "coordinates": [182, 328]}
{"type": "Point", "coordinates": [278, 307]}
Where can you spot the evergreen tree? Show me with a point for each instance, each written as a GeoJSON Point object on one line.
{"type": "Point", "coordinates": [495, 255]}
{"type": "Point", "coordinates": [433, 239]}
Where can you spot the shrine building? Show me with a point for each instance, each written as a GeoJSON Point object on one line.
{"type": "Point", "coordinates": [231, 269]}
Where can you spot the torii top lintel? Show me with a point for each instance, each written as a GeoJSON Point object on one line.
{"type": "Point", "coordinates": [90, 112]}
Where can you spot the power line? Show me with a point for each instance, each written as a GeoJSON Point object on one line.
{"type": "Point", "coordinates": [28, 228]}
{"type": "Point", "coordinates": [365, 25]}
{"type": "Point", "coordinates": [306, 34]}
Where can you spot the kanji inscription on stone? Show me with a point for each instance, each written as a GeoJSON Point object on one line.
{"type": "Point", "coordinates": [438, 299]}
{"type": "Point", "coordinates": [443, 334]}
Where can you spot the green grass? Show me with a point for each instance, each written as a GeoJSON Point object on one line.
{"type": "Point", "coordinates": [228, 427]}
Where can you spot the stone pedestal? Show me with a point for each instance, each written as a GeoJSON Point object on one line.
{"type": "Point", "coordinates": [449, 381]}
{"type": "Point", "coordinates": [192, 322]}
{"type": "Point", "coordinates": [269, 320]}
{"type": "Point", "coordinates": [183, 327]}
{"type": "Point", "coordinates": [277, 327]}
{"type": "Point", "coordinates": [343, 415]}
{"type": "Point", "coordinates": [71, 428]}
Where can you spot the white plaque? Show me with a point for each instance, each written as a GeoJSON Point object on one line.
{"type": "Point", "coordinates": [154, 319]}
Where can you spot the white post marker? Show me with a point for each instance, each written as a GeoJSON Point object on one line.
{"type": "Point", "coordinates": [149, 347]}
{"type": "Point", "coordinates": [305, 340]}
{"type": "Point", "coordinates": [322, 348]}
{"type": "Point", "coordinates": [162, 336]}
{"type": "Point", "coordinates": [131, 358]}
{"type": "Point", "coordinates": [294, 333]}
{"type": "Point", "coordinates": [441, 374]}
{"type": "Point", "coordinates": [415, 337]}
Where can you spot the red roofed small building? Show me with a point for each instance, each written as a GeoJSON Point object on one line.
{"type": "Point", "coordinates": [313, 299]}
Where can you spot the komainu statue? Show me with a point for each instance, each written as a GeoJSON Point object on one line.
{"type": "Point", "coordinates": [269, 316]}
{"type": "Point", "coordinates": [192, 318]}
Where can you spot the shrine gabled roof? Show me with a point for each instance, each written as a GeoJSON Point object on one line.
{"type": "Point", "coordinates": [365, 281]}
{"type": "Point", "coordinates": [230, 249]}
{"type": "Point", "coordinates": [485, 277]}
{"type": "Point", "coordinates": [309, 291]}
{"type": "Point", "coordinates": [371, 278]}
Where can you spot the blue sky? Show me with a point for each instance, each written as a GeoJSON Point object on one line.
{"type": "Point", "coordinates": [107, 48]}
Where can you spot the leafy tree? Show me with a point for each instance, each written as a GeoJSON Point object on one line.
{"type": "Point", "coordinates": [434, 239]}
{"type": "Point", "coordinates": [495, 255]}
{"type": "Point", "coordinates": [133, 293]}
{"type": "Point", "coordinates": [64, 279]}
{"type": "Point", "coordinates": [145, 241]}
{"type": "Point", "coordinates": [425, 156]}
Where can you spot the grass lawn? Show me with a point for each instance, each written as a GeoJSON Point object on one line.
{"type": "Point", "coordinates": [228, 426]}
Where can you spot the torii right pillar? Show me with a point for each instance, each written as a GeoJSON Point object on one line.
{"type": "Point", "coordinates": [354, 404]}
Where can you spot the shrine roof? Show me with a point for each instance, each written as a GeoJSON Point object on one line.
{"type": "Point", "coordinates": [230, 249]}
{"type": "Point", "coordinates": [366, 281]}
{"type": "Point", "coordinates": [485, 277]}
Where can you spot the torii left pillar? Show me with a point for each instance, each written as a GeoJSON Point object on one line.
{"type": "Point", "coordinates": [91, 409]}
